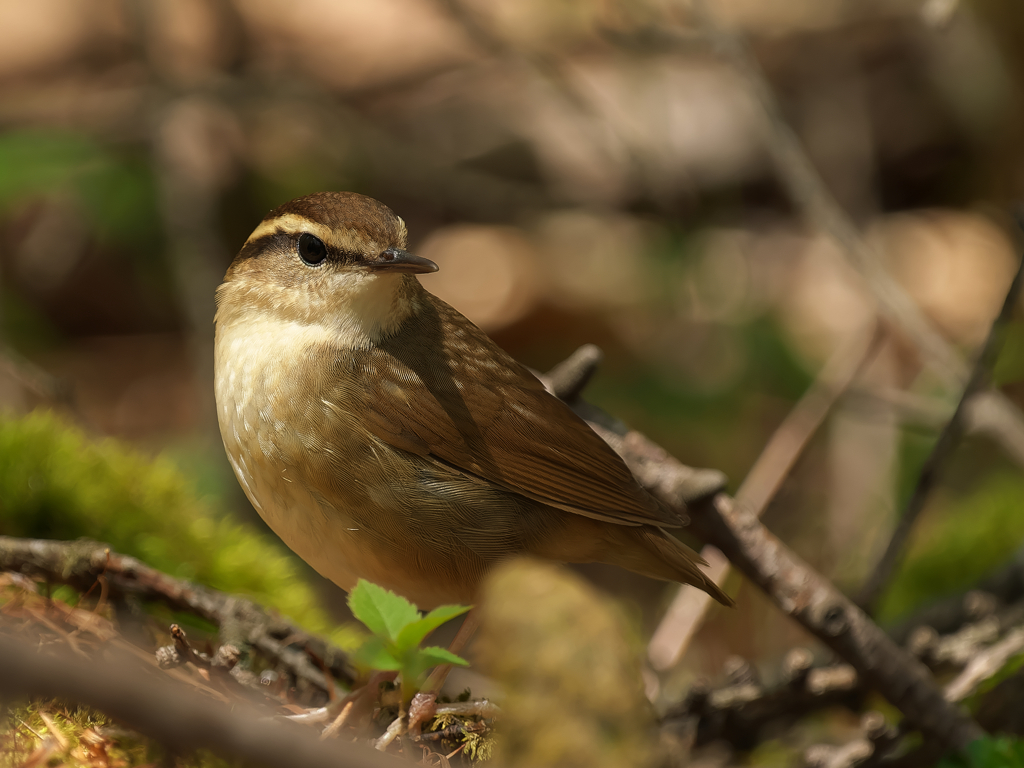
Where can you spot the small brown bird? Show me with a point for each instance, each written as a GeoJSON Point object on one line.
{"type": "Point", "coordinates": [384, 436]}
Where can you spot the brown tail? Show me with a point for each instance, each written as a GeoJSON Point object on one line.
{"type": "Point", "coordinates": [652, 552]}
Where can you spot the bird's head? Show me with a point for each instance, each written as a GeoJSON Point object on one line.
{"type": "Point", "coordinates": [332, 258]}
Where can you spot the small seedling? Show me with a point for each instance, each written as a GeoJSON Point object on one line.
{"type": "Point", "coordinates": [398, 629]}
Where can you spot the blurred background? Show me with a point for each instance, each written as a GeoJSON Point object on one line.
{"type": "Point", "coordinates": [582, 171]}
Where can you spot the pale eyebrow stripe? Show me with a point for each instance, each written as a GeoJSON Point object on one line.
{"type": "Point", "coordinates": [289, 222]}
{"type": "Point", "coordinates": [343, 240]}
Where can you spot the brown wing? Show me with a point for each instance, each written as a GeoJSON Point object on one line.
{"type": "Point", "coordinates": [509, 431]}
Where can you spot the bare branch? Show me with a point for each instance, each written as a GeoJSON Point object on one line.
{"type": "Point", "coordinates": [684, 616]}
{"type": "Point", "coordinates": [151, 703]}
{"type": "Point", "coordinates": [817, 204]}
{"type": "Point", "coordinates": [79, 563]}
{"type": "Point", "coordinates": [569, 378]}
{"type": "Point", "coordinates": [741, 712]}
{"type": "Point", "coordinates": [795, 587]}
{"type": "Point", "coordinates": [878, 740]}
{"type": "Point", "coordinates": [948, 440]}
{"type": "Point", "coordinates": [985, 664]}
{"type": "Point", "coordinates": [818, 606]}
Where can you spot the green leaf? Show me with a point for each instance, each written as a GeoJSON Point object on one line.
{"type": "Point", "coordinates": [375, 655]}
{"type": "Point", "coordinates": [384, 612]}
{"type": "Point", "coordinates": [413, 634]}
{"type": "Point", "coordinates": [434, 656]}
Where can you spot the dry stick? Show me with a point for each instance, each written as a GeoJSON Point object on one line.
{"type": "Point", "coordinates": [470, 624]}
{"type": "Point", "coordinates": [151, 703]}
{"type": "Point", "coordinates": [78, 563]}
{"type": "Point", "coordinates": [796, 589]}
{"type": "Point", "coordinates": [548, 67]}
{"type": "Point", "coordinates": [985, 664]}
{"type": "Point", "coordinates": [815, 603]}
{"type": "Point", "coordinates": [1004, 586]}
{"type": "Point", "coordinates": [816, 202]}
{"type": "Point", "coordinates": [569, 378]}
{"type": "Point", "coordinates": [189, 205]}
{"type": "Point", "coordinates": [948, 440]}
{"type": "Point", "coordinates": [820, 208]}
{"type": "Point", "coordinates": [684, 616]}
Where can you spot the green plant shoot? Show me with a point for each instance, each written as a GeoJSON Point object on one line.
{"type": "Point", "coordinates": [398, 629]}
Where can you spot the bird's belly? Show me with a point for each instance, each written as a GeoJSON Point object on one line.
{"type": "Point", "coordinates": [266, 414]}
{"type": "Point", "coordinates": [336, 540]}
{"type": "Point", "coordinates": [293, 456]}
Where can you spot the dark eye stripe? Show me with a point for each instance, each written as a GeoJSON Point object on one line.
{"type": "Point", "coordinates": [278, 241]}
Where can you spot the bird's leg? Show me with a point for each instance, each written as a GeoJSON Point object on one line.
{"type": "Point", "coordinates": [423, 704]}
{"type": "Point", "coordinates": [361, 699]}
{"type": "Point", "coordinates": [469, 626]}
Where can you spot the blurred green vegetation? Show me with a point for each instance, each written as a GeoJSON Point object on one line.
{"type": "Point", "coordinates": [56, 483]}
{"type": "Point", "coordinates": [990, 752]}
{"type": "Point", "coordinates": [116, 188]}
{"type": "Point", "coordinates": [1009, 368]}
{"type": "Point", "coordinates": [721, 427]}
{"type": "Point", "coordinates": [961, 537]}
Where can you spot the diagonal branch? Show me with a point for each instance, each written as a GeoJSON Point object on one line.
{"type": "Point", "coordinates": [796, 588]}
{"type": "Point", "coordinates": [817, 204]}
{"type": "Point", "coordinates": [948, 440]}
{"type": "Point", "coordinates": [785, 447]}
{"type": "Point", "coordinates": [814, 200]}
{"type": "Point", "coordinates": [816, 604]}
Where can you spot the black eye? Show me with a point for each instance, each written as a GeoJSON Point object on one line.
{"type": "Point", "coordinates": [311, 249]}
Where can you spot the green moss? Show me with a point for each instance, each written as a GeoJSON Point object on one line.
{"type": "Point", "coordinates": [80, 731]}
{"type": "Point", "coordinates": [56, 483]}
{"type": "Point", "coordinates": [959, 540]}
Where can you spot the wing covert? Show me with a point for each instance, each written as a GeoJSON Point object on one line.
{"type": "Point", "coordinates": [509, 431]}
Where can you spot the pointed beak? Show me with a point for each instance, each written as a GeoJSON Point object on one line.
{"type": "Point", "coordinates": [397, 260]}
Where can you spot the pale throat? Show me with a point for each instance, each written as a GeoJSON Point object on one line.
{"type": "Point", "coordinates": [351, 311]}
{"type": "Point", "coordinates": [362, 309]}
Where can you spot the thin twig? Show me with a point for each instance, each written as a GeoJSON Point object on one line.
{"type": "Point", "coordinates": [335, 727]}
{"type": "Point", "coordinates": [467, 629]}
{"type": "Point", "coordinates": [78, 563]}
{"type": "Point", "coordinates": [684, 616]}
{"type": "Point", "coordinates": [984, 665]}
{"type": "Point", "coordinates": [396, 729]}
{"type": "Point", "coordinates": [1004, 585]}
{"type": "Point", "coordinates": [817, 605]}
{"type": "Point", "coordinates": [878, 739]}
{"type": "Point", "coordinates": [814, 200]}
{"type": "Point", "coordinates": [795, 587]}
{"type": "Point", "coordinates": [569, 378]}
{"type": "Point", "coordinates": [948, 440]}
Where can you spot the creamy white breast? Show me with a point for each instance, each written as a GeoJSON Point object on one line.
{"type": "Point", "coordinates": [259, 415]}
